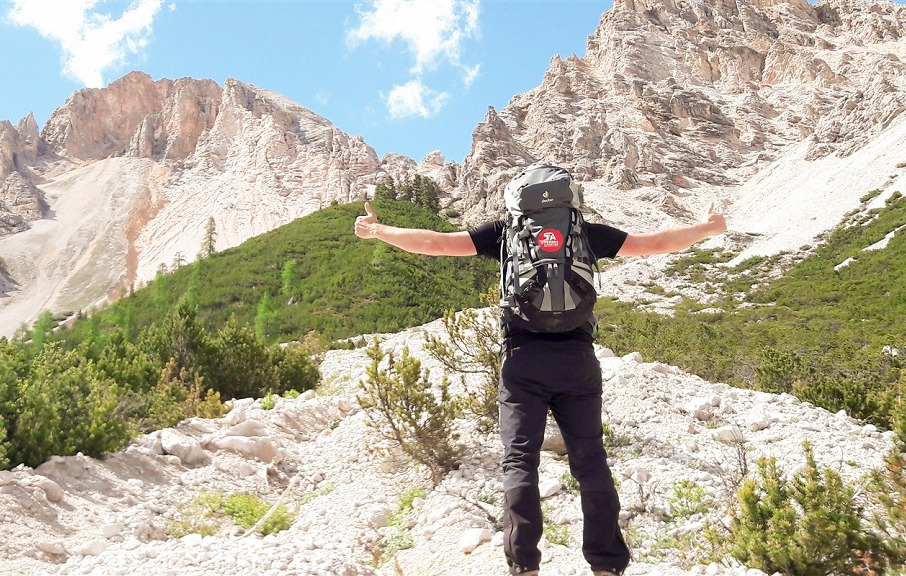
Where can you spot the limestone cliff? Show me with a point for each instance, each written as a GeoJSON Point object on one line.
{"type": "Point", "coordinates": [674, 103]}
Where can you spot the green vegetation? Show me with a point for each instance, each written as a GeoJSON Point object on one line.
{"type": "Point", "coordinates": [569, 483]}
{"type": "Point", "coordinates": [687, 500]}
{"type": "Point", "coordinates": [399, 537]}
{"type": "Point", "coordinates": [810, 524]}
{"type": "Point", "coordinates": [95, 397]}
{"type": "Point", "coordinates": [420, 190]}
{"type": "Point", "coordinates": [815, 332]}
{"type": "Point", "coordinates": [210, 331]}
{"type": "Point", "coordinates": [313, 274]}
{"type": "Point", "coordinates": [888, 489]}
{"type": "Point", "coordinates": [555, 533]}
{"type": "Point", "coordinates": [207, 513]}
{"type": "Point", "coordinates": [402, 407]}
{"type": "Point", "coordinates": [471, 344]}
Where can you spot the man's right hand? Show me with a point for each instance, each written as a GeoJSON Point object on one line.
{"type": "Point", "coordinates": [366, 226]}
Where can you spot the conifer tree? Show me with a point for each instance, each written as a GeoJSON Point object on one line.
{"type": "Point", "coordinates": [265, 313]}
{"type": "Point", "coordinates": [289, 277]}
{"type": "Point", "coordinates": [210, 239]}
{"type": "Point", "coordinates": [402, 407]}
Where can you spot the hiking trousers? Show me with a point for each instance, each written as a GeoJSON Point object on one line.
{"type": "Point", "coordinates": [565, 377]}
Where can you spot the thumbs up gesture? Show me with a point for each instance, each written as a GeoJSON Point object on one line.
{"type": "Point", "coordinates": [366, 226]}
{"type": "Point", "coordinates": [716, 221]}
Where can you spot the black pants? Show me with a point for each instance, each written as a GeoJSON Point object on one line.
{"type": "Point", "coordinates": [565, 377]}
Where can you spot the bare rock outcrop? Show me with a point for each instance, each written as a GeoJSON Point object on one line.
{"type": "Point", "coordinates": [134, 116]}
{"type": "Point", "coordinates": [674, 94]}
{"type": "Point", "coordinates": [20, 200]}
{"type": "Point", "coordinates": [673, 103]}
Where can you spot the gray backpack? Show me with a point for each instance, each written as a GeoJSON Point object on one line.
{"type": "Point", "coordinates": [547, 266]}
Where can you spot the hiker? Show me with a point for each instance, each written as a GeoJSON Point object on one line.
{"type": "Point", "coordinates": [549, 369]}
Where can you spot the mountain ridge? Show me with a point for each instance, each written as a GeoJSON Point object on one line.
{"type": "Point", "coordinates": [674, 106]}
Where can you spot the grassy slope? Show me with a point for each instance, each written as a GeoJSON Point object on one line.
{"type": "Point", "coordinates": [342, 286]}
{"type": "Point", "coordinates": [816, 332]}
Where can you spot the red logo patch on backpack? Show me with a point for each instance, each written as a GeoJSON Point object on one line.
{"type": "Point", "coordinates": [550, 240]}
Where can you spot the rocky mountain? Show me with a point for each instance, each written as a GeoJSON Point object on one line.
{"type": "Point", "coordinates": [783, 113]}
{"type": "Point", "coordinates": [673, 106]}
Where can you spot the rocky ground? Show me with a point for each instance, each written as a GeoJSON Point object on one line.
{"type": "Point", "coordinates": [316, 454]}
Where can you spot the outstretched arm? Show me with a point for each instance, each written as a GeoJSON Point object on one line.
{"type": "Point", "coordinates": [415, 240]}
{"type": "Point", "coordinates": [673, 239]}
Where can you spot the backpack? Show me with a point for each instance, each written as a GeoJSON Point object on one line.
{"type": "Point", "coordinates": [547, 266]}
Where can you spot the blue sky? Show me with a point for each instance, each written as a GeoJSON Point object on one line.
{"type": "Point", "coordinates": [410, 76]}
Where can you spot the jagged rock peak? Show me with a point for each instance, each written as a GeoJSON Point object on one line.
{"type": "Point", "coordinates": [680, 94]}
{"type": "Point", "coordinates": [134, 116]}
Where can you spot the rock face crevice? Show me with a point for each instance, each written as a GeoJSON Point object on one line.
{"type": "Point", "coordinates": [673, 100]}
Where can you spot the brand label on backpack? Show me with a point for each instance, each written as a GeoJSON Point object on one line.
{"type": "Point", "coordinates": [550, 240]}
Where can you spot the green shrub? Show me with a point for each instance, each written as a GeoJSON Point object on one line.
{"type": "Point", "coordinates": [687, 499]}
{"type": "Point", "coordinates": [569, 483]}
{"type": "Point", "coordinates": [207, 511]}
{"type": "Point", "coordinates": [471, 344]}
{"type": "Point", "coordinates": [243, 368]}
{"type": "Point", "coordinates": [402, 407]}
{"type": "Point", "coordinates": [295, 369]}
{"type": "Point", "coordinates": [199, 516]}
{"type": "Point", "coordinates": [888, 492]}
{"type": "Point", "coordinates": [4, 445]}
{"type": "Point", "coordinates": [778, 370]}
{"type": "Point", "coordinates": [65, 406]}
{"type": "Point", "coordinates": [246, 510]}
{"type": "Point", "coordinates": [178, 396]}
{"type": "Point", "coordinates": [809, 525]}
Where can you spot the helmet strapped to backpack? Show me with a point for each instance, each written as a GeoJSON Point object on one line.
{"type": "Point", "coordinates": [547, 266]}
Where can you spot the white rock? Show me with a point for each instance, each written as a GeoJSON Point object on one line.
{"type": "Point", "coordinates": [54, 548]}
{"type": "Point", "coordinates": [661, 368]}
{"type": "Point", "coordinates": [549, 486]}
{"type": "Point", "coordinates": [700, 408]}
{"type": "Point", "coordinates": [759, 421]}
{"type": "Point", "coordinates": [113, 529]}
{"type": "Point", "coordinates": [633, 357]}
{"type": "Point", "coordinates": [497, 539]}
{"type": "Point", "coordinates": [602, 352]}
{"type": "Point", "coordinates": [264, 449]}
{"type": "Point", "coordinates": [51, 489]}
{"type": "Point", "coordinates": [376, 516]}
{"type": "Point", "coordinates": [92, 548]}
{"type": "Point", "coordinates": [473, 538]}
{"type": "Point", "coordinates": [728, 434]}
{"type": "Point", "coordinates": [251, 428]}
{"type": "Point", "coordinates": [184, 447]}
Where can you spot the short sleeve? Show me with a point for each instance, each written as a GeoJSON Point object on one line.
{"type": "Point", "coordinates": [488, 238]}
{"type": "Point", "coordinates": [605, 240]}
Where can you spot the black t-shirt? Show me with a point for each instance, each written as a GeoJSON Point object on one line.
{"type": "Point", "coordinates": [605, 242]}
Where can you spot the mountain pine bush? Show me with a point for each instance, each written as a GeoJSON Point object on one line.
{"type": "Point", "coordinates": [65, 405]}
{"type": "Point", "coordinates": [888, 490]}
{"type": "Point", "coordinates": [471, 344]}
{"type": "Point", "coordinates": [807, 525]}
{"type": "Point", "coordinates": [402, 407]}
{"type": "Point", "coordinates": [95, 396]}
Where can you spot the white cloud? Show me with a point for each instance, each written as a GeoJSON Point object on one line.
{"type": "Point", "coordinates": [414, 99]}
{"type": "Point", "coordinates": [470, 74]}
{"type": "Point", "coordinates": [433, 30]}
{"type": "Point", "coordinates": [91, 41]}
